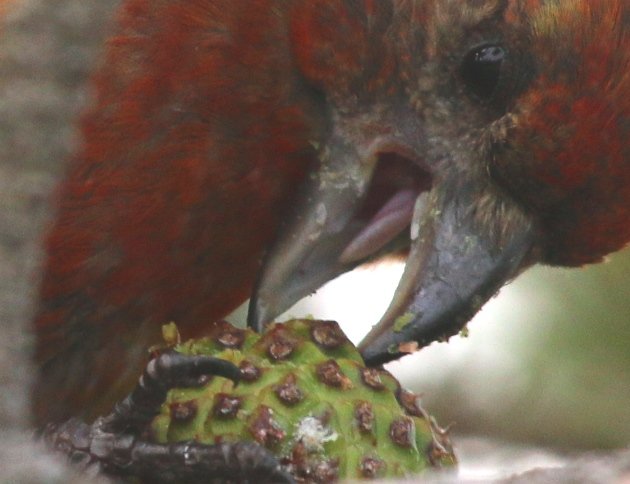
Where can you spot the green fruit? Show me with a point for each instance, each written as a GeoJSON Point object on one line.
{"type": "Point", "coordinates": [306, 395]}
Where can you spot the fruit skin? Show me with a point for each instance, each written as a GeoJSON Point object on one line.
{"type": "Point", "coordinates": [306, 395]}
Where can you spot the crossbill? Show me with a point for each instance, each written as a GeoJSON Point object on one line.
{"type": "Point", "coordinates": [263, 147]}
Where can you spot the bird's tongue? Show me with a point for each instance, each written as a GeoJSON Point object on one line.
{"type": "Point", "coordinates": [394, 217]}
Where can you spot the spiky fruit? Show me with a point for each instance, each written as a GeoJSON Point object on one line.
{"type": "Point", "coordinates": [306, 395]}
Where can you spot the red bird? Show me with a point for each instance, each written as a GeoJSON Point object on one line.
{"type": "Point", "coordinates": [484, 136]}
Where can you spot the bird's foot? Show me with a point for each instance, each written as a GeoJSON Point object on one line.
{"type": "Point", "coordinates": [117, 444]}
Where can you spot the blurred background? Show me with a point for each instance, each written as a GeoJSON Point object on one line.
{"type": "Point", "coordinates": [543, 372]}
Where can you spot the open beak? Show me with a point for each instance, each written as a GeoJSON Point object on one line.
{"type": "Point", "coordinates": [362, 205]}
{"type": "Point", "coordinates": [454, 266]}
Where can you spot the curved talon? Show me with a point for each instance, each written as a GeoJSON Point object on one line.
{"type": "Point", "coordinates": [193, 462]}
{"type": "Point", "coordinates": [94, 450]}
{"type": "Point", "coordinates": [112, 444]}
{"type": "Point", "coordinates": [168, 370]}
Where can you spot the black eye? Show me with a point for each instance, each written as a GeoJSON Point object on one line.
{"type": "Point", "coordinates": [481, 69]}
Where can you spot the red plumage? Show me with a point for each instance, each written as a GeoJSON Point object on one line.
{"type": "Point", "coordinates": [211, 115]}
{"type": "Point", "coordinates": [190, 151]}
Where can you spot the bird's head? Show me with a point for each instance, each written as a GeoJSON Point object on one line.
{"type": "Point", "coordinates": [483, 136]}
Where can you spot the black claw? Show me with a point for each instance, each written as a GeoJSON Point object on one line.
{"type": "Point", "coordinates": [194, 462]}
{"type": "Point", "coordinates": [166, 371]}
{"type": "Point", "coordinates": [94, 450]}
{"type": "Point", "coordinates": [113, 444]}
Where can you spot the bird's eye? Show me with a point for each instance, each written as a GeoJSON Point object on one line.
{"type": "Point", "coordinates": [481, 69]}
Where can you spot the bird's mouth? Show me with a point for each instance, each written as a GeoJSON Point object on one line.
{"type": "Point", "coordinates": [384, 216]}
{"type": "Point", "coordinates": [361, 206]}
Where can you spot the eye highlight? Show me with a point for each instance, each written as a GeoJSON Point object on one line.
{"type": "Point", "coordinates": [481, 69]}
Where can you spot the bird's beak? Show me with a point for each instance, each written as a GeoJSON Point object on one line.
{"type": "Point", "coordinates": [457, 261]}
{"type": "Point", "coordinates": [459, 254]}
{"type": "Point", "coordinates": [307, 252]}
